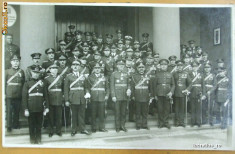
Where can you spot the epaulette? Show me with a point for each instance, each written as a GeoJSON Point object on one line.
{"type": "Point", "coordinates": [46, 77]}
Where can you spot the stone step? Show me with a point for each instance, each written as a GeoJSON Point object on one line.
{"type": "Point", "coordinates": [109, 124]}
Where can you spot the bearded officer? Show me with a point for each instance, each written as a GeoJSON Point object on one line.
{"type": "Point", "coordinates": [14, 80]}
{"type": "Point", "coordinates": [120, 91]}
{"type": "Point", "coordinates": [76, 95]}
{"type": "Point", "coordinates": [162, 89]}
{"type": "Point", "coordinates": [140, 87]}
{"type": "Point", "coordinates": [35, 99]}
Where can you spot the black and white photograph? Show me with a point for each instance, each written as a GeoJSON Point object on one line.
{"type": "Point", "coordinates": [117, 76]}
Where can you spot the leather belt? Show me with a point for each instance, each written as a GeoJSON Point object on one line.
{"type": "Point", "coordinates": [36, 94]}
{"type": "Point", "coordinates": [53, 90]}
{"type": "Point", "coordinates": [77, 88]}
{"type": "Point", "coordinates": [97, 89]}
{"type": "Point", "coordinates": [14, 84]}
{"type": "Point", "coordinates": [121, 85]}
{"type": "Point", "coordinates": [222, 89]}
{"type": "Point", "coordinates": [196, 85]}
{"type": "Point", "coordinates": [143, 87]}
{"type": "Point", "coordinates": [208, 85]}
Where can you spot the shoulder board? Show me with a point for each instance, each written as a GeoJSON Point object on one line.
{"type": "Point", "coordinates": [46, 77]}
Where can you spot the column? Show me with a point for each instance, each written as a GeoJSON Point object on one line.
{"type": "Point", "coordinates": [166, 31]}
{"type": "Point", "coordinates": [37, 31]}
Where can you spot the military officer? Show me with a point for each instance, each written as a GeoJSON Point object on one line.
{"type": "Point", "coordinates": [98, 86]}
{"type": "Point", "coordinates": [62, 50]}
{"type": "Point", "coordinates": [77, 54]}
{"type": "Point", "coordinates": [94, 36]}
{"type": "Point", "coordinates": [120, 91]}
{"type": "Point", "coordinates": [54, 85]}
{"type": "Point", "coordinates": [187, 64]}
{"type": "Point", "coordinates": [136, 45]}
{"type": "Point", "coordinates": [77, 39]}
{"type": "Point", "coordinates": [130, 70]}
{"type": "Point", "coordinates": [119, 36]}
{"type": "Point", "coordinates": [150, 67]}
{"type": "Point", "coordinates": [210, 83]}
{"type": "Point", "coordinates": [10, 49]}
{"type": "Point", "coordinates": [100, 43]}
{"type": "Point", "coordinates": [50, 52]}
{"type": "Point", "coordinates": [181, 83]}
{"type": "Point", "coordinates": [156, 58]}
{"type": "Point", "coordinates": [36, 62]}
{"type": "Point", "coordinates": [88, 38]}
{"type": "Point", "coordinates": [98, 59]}
{"type": "Point", "coordinates": [94, 48]}
{"type": "Point", "coordinates": [222, 98]}
{"type": "Point", "coordinates": [72, 30]}
{"type": "Point", "coordinates": [109, 61]}
{"type": "Point", "coordinates": [116, 55]}
{"type": "Point", "coordinates": [140, 87]}
{"type": "Point", "coordinates": [182, 50]}
{"type": "Point", "coordinates": [35, 101]}
{"type": "Point", "coordinates": [172, 66]}
{"type": "Point", "coordinates": [128, 41]}
{"type": "Point", "coordinates": [220, 64]}
{"type": "Point", "coordinates": [191, 44]}
{"type": "Point", "coordinates": [119, 46]}
{"type": "Point", "coordinates": [63, 70]}
{"type": "Point", "coordinates": [109, 40]}
{"type": "Point", "coordinates": [146, 44]}
{"type": "Point", "coordinates": [14, 80]}
{"type": "Point", "coordinates": [86, 52]}
{"type": "Point", "coordinates": [129, 54]}
{"type": "Point", "coordinates": [195, 89]}
{"type": "Point", "coordinates": [162, 89]}
{"type": "Point", "coordinates": [76, 95]}
{"type": "Point", "coordinates": [68, 37]}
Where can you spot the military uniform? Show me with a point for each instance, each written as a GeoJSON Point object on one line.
{"type": "Point", "coordinates": [74, 91]}
{"type": "Point", "coordinates": [140, 87]}
{"type": "Point", "coordinates": [48, 62]}
{"type": "Point", "coordinates": [222, 97]}
{"type": "Point", "coordinates": [196, 89]}
{"type": "Point", "coordinates": [98, 86]}
{"type": "Point", "coordinates": [181, 83]}
{"type": "Point", "coordinates": [145, 45]}
{"type": "Point", "coordinates": [10, 49]}
{"type": "Point", "coordinates": [34, 98]}
{"type": "Point", "coordinates": [119, 84]}
{"type": "Point", "coordinates": [14, 80]}
{"type": "Point", "coordinates": [54, 85]}
{"type": "Point", "coordinates": [28, 70]}
{"type": "Point", "coordinates": [161, 85]}
{"type": "Point", "coordinates": [210, 83]}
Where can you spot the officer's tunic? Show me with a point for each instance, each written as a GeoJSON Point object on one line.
{"type": "Point", "coordinates": [35, 100]}
{"type": "Point", "coordinates": [161, 85]}
{"type": "Point", "coordinates": [55, 99]}
{"type": "Point", "coordinates": [99, 88]}
{"type": "Point", "coordinates": [119, 83]}
{"type": "Point", "coordinates": [75, 95]}
{"type": "Point", "coordinates": [140, 87]}
{"type": "Point", "coordinates": [14, 80]}
{"type": "Point", "coordinates": [181, 83]}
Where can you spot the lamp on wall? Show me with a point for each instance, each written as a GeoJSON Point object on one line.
{"type": "Point", "coordinates": [217, 36]}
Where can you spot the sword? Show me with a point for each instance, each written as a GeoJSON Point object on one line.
{"type": "Point", "coordinates": [186, 110]}
{"type": "Point", "coordinates": [209, 102]}
{"type": "Point", "coordinates": [200, 95]}
{"type": "Point", "coordinates": [65, 125]}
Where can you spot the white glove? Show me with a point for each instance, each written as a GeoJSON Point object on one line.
{"type": "Point", "coordinates": [208, 93]}
{"type": "Point", "coordinates": [45, 111]}
{"type": "Point", "coordinates": [128, 92]}
{"type": "Point", "coordinates": [67, 103]}
{"type": "Point", "coordinates": [169, 94]}
{"type": "Point", "coordinates": [114, 99]}
{"type": "Point", "coordinates": [186, 92]}
{"type": "Point", "coordinates": [88, 95]}
{"type": "Point", "coordinates": [156, 98]}
{"type": "Point", "coordinates": [203, 97]}
{"type": "Point", "coordinates": [26, 113]}
{"type": "Point", "coordinates": [106, 97]}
